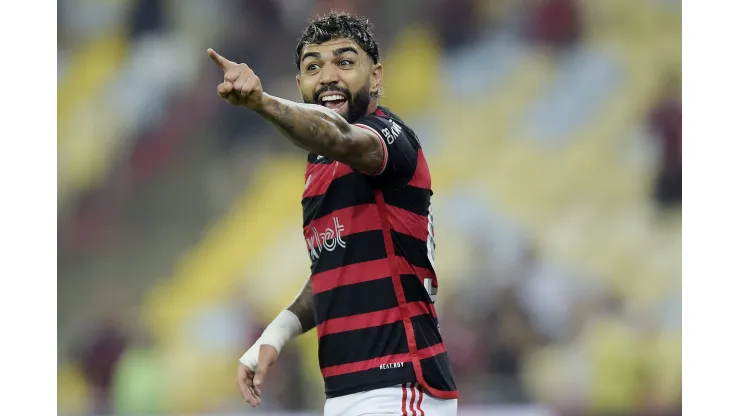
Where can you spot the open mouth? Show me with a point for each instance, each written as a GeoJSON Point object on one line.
{"type": "Point", "coordinates": [333, 101]}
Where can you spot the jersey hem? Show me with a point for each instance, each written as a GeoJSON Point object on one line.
{"type": "Point", "coordinates": [369, 387]}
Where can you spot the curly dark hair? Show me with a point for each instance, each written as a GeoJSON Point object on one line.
{"type": "Point", "coordinates": [338, 25]}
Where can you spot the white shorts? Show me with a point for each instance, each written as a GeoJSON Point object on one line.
{"type": "Point", "coordinates": [407, 399]}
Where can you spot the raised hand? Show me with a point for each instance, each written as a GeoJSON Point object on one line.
{"type": "Point", "coordinates": [241, 86]}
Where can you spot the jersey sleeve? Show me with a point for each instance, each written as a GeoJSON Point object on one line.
{"type": "Point", "coordinates": [400, 152]}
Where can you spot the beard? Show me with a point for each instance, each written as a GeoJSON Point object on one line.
{"type": "Point", "coordinates": [357, 103]}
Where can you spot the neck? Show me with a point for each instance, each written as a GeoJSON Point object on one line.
{"type": "Point", "coordinates": [372, 107]}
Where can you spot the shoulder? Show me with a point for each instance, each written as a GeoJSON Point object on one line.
{"type": "Point", "coordinates": [389, 126]}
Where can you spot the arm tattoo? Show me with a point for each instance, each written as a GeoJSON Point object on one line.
{"type": "Point", "coordinates": [302, 307]}
{"type": "Point", "coordinates": [308, 126]}
{"type": "Point", "coordinates": [283, 117]}
{"type": "Point", "coordinates": [322, 131]}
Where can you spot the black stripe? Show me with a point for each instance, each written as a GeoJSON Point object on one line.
{"type": "Point", "coordinates": [362, 344]}
{"type": "Point", "coordinates": [360, 247]}
{"type": "Point", "coordinates": [375, 122]}
{"type": "Point", "coordinates": [410, 198]}
{"type": "Point", "coordinates": [347, 191]}
{"type": "Point", "coordinates": [379, 123]}
{"type": "Point", "coordinates": [372, 296]}
{"type": "Point", "coordinates": [411, 248]}
{"type": "Point", "coordinates": [425, 331]}
{"type": "Point", "coordinates": [437, 372]}
{"type": "Point", "coordinates": [413, 289]}
{"type": "Point", "coordinates": [368, 380]}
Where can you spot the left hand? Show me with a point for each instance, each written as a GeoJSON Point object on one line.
{"type": "Point", "coordinates": [241, 86]}
{"type": "Point", "coordinates": [250, 377]}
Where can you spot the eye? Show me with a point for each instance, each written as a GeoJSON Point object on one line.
{"type": "Point", "coordinates": [312, 67]}
{"type": "Point", "coordinates": [345, 62]}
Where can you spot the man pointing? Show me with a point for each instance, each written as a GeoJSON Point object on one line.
{"type": "Point", "coordinates": [368, 228]}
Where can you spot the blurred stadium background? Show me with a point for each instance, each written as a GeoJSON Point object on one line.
{"type": "Point", "coordinates": [553, 131]}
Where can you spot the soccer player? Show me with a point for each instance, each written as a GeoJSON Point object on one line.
{"type": "Point", "coordinates": [368, 227]}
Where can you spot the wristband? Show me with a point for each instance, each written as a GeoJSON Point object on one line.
{"type": "Point", "coordinates": [282, 329]}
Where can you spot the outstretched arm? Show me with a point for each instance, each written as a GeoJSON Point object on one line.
{"type": "Point", "coordinates": [322, 131]}
{"type": "Point", "coordinates": [309, 126]}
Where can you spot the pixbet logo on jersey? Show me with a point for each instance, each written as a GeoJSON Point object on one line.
{"type": "Point", "coordinates": [327, 240]}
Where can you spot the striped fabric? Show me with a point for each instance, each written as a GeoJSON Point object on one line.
{"type": "Point", "coordinates": [371, 243]}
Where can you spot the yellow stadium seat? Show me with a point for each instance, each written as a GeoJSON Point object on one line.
{"type": "Point", "coordinates": [85, 131]}
{"type": "Point", "coordinates": [412, 64]}
{"type": "Point", "coordinates": [615, 383]}
{"type": "Point", "coordinates": [662, 361]}
{"type": "Point", "coordinates": [89, 70]}
{"type": "Point", "coordinates": [73, 393]}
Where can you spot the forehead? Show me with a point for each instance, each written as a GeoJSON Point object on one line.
{"type": "Point", "coordinates": [327, 48]}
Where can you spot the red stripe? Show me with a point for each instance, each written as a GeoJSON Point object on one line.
{"type": "Point", "coordinates": [429, 352]}
{"type": "Point", "coordinates": [365, 217]}
{"type": "Point", "coordinates": [382, 144]}
{"type": "Point", "coordinates": [347, 275]}
{"type": "Point", "coordinates": [421, 396]}
{"type": "Point", "coordinates": [415, 355]}
{"type": "Point", "coordinates": [404, 267]}
{"type": "Point", "coordinates": [370, 319]}
{"type": "Point", "coordinates": [364, 272]}
{"type": "Point", "coordinates": [422, 178]}
{"type": "Point", "coordinates": [353, 220]}
{"type": "Point", "coordinates": [403, 400]}
{"type": "Point", "coordinates": [412, 400]}
{"type": "Point", "coordinates": [409, 223]}
{"type": "Point", "coordinates": [322, 176]}
{"type": "Point", "coordinates": [380, 112]}
{"type": "Point", "coordinates": [393, 260]}
{"type": "Point", "coordinates": [340, 369]}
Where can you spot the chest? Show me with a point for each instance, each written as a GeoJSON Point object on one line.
{"type": "Point", "coordinates": [319, 176]}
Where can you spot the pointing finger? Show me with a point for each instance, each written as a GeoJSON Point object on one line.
{"type": "Point", "coordinates": [224, 63]}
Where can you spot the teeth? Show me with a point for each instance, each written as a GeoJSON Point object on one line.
{"type": "Point", "coordinates": [332, 98]}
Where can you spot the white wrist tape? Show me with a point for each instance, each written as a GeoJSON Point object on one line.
{"type": "Point", "coordinates": [282, 329]}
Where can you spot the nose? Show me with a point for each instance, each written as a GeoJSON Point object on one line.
{"type": "Point", "coordinates": [329, 75]}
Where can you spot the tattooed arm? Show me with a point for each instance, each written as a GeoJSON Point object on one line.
{"type": "Point", "coordinates": [311, 127]}
{"type": "Point", "coordinates": [302, 307]}
{"type": "Point", "coordinates": [322, 131]}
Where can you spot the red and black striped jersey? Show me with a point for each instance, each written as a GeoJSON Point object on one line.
{"type": "Point", "coordinates": [371, 243]}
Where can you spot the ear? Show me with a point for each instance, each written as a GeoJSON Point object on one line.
{"type": "Point", "coordinates": [298, 81]}
{"type": "Point", "coordinates": [376, 78]}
